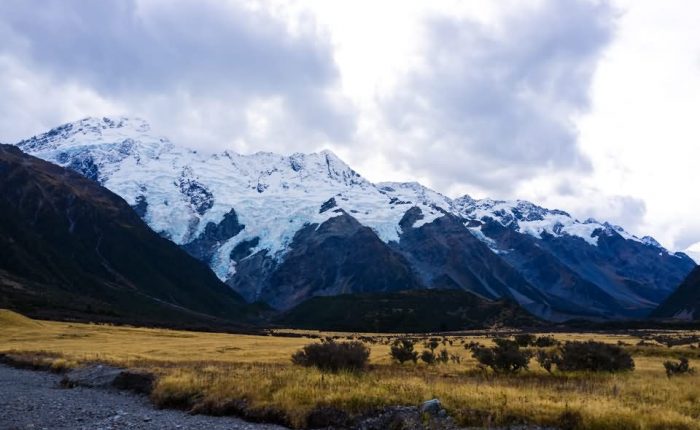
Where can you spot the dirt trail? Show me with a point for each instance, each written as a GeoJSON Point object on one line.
{"type": "Point", "coordinates": [34, 400]}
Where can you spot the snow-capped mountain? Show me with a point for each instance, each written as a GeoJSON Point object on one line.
{"type": "Point", "coordinates": [250, 216]}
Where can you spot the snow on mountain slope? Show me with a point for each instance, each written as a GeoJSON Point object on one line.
{"type": "Point", "coordinates": [184, 189]}
{"type": "Point", "coordinates": [534, 220]}
{"type": "Point", "coordinates": [215, 204]}
{"type": "Point", "coordinates": [180, 191]}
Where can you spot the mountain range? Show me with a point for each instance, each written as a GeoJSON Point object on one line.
{"type": "Point", "coordinates": [284, 229]}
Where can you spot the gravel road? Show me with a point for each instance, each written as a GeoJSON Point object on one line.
{"type": "Point", "coordinates": [34, 400]}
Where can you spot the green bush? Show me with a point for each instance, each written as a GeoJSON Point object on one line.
{"type": "Point", "coordinates": [472, 345]}
{"type": "Point", "coordinates": [525, 339]}
{"type": "Point", "coordinates": [570, 420]}
{"type": "Point", "coordinates": [333, 356]}
{"type": "Point", "coordinates": [443, 357]}
{"type": "Point", "coordinates": [402, 351]}
{"type": "Point", "coordinates": [547, 359]}
{"type": "Point", "coordinates": [677, 340]}
{"type": "Point", "coordinates": [431, 344]}
{"type": "Point", "coordinates": [678, 368]}
{"type": "Point", "coordinates": [428, 357]}
{"type": "Point", "coordinates": [593, 356]}
{"type": "Point", "coordinates": [545, 341]}
{"type": "Point", "coordinates": [505, 357]}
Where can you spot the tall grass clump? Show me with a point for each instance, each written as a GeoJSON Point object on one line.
{"type": "Point", "coordinates": [586, 356]}
{"type": "Point", "coordinates": [678, 368]}
{"type": "Point", "coordinates": [505, 357]}
{"type": "Point", "coordinates": [402, 351]}
{"type": "Point", "coordinates": [333, 356]}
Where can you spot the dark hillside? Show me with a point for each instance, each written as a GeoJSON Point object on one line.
{"type": "Point", "coordinates": [70, 248]}
{"type": "Point", "coordinates": [406, 311]}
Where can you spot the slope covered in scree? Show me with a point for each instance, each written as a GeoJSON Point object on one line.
{"type": "Point", "coordinates": [242, 213]}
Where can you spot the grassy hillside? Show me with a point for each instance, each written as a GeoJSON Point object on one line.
{"type": "Point", "coordinates": [214, 372]}
{"type": "Point", "coordinates": [13, 320]}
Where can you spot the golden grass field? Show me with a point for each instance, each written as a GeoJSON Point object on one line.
{"type": "Point", "coordinates": [208, 371]}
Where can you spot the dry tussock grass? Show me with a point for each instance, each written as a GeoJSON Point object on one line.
{"type": "Point", "coordinates": [230, 374]}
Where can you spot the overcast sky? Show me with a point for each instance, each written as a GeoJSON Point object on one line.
{"type": "Point", "coordinates": [588, 106]}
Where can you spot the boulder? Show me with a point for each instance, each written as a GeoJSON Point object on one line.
{"type": "Point", "coordinates": [431, 407]}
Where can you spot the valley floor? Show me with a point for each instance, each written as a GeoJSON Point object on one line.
{"type": "Point", "coordinates": [34, 400]}
{"type": "Point", "coordinates": [240, 375]}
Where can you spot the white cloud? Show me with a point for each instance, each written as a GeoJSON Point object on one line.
{"type": "Point", "coordinates": [494, 106]}
{"type": "Point", "coordinates": [643, 132]}
{"type": "Point", "coordinates": [32, 102]}
{"type": "Point", "coordinates": [536, 99]}
{"type": "Point", "coordinates": [188, 66]}
{"type": "Point", "coordinates": [694, 251]}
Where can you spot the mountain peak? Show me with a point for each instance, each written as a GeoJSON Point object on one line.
{"type": "Point", "coordinates": [89, 130]}
{"type": "Point", "coordinates": [134, 123]}
{"type": "Point", "coordinates": [465, 199]}
{"type": "Point", "coordinates": [330, 155]}
{"type": "Point", "coordinates": [648, 240]}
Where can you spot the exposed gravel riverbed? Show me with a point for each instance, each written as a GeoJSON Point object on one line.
{"type": "Point", "coordinates": [35, 400]}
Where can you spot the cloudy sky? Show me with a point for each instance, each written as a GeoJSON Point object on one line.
{"type": "Point", "coordinates": [584, 105]}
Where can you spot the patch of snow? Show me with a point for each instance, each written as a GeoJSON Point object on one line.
{"type": "Point", "coordinates": [534, 220]}
{"type": "Point", "coordinates": [476, 231]}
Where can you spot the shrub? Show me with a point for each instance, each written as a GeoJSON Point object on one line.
{"type": "Point", "coordinates": [402, 351]}
{"type": "Point", "coordinates": [368, 339]}
{"type": "Point", "coordinates": [505, 357]}
{"type": "Point", "coordinates": [443, 357]}
{"type": "Point", "coordinates": [681, 367]}
{"type": "Point", "coordinates": [546, 359]}
{"type": "Point", "coordinates": [431, 344]}
{"type": "Point", "coordinates": [471, 345]}
{"type": "Point", "coordinates": [333, 356]}
{"type": "Point", "coordinates": [545, 341]}
{"type": "Point", "coordinates": [485, 356]}
{"type": "Point", "coordinates": [570, 420]}
{"type": "Point", "coordinates": [593, 356]}
{"type": "Point", "coordinates": [525, 339]}
{"type": "Point", "coordinates": [428, 357]}
{"type": "Point", "coordinates": [671, 341]}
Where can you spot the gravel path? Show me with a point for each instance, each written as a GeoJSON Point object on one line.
{"type": "Point", "coordinates": [34, 400]}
